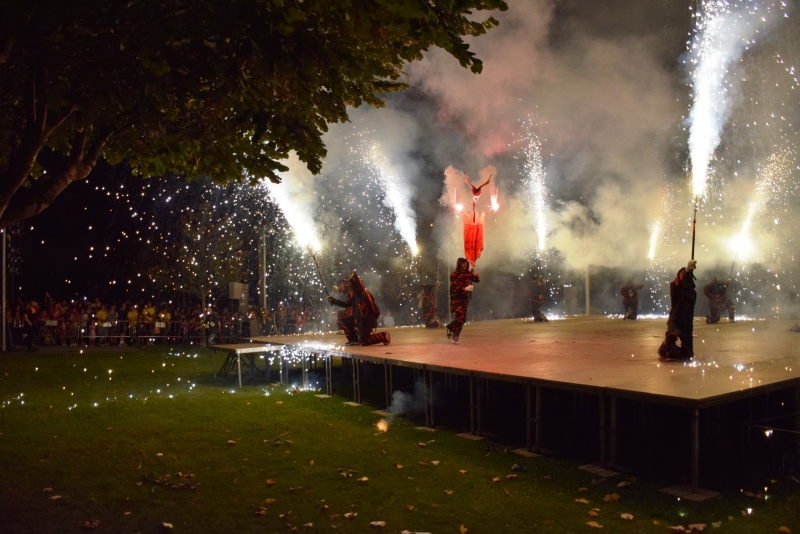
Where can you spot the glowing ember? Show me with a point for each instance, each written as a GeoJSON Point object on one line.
{"type": "Point", "coordinates": [382, 425]}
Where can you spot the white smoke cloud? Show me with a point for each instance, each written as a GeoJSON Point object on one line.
{"type": "Point", "coordinates": [297, 198]}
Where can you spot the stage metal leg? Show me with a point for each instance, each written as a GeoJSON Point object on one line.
{"type": "Point", "coordinates": [480, 405]}
{"type": "Point", "coordinates": [213, 365]}
{"type": "Point", "coordinates": [239, 366]}
{"type": "Point", "coordinates": [797, 411]}
{"type": "Point", "coordinates": [304, 363]}
{"type": "Point", "coordinates": [356, 380]}
{"type": "Point", "coordinates": [472, 404]}
{"type": "Point", "coordinates": [386, 383]}
{"type": "Point", "coordinates": [429, 400]}
{"type": "Point", "coordinates": [537, 447]}
{"type": "Point", "coordinates": [528, 417]}
{"type": "Point", "coordinates": [613, 438]}
{"type": "Point", "coordinates": [696, 447]}
{"type": "Point", "coordinates": [328, 373]}
{"type": "Point", "coordinates": [603, 431]}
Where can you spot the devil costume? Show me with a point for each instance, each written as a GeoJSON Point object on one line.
{"type": "Point", "coordinates": [537, 293]}
{"type": "Point", "coordinates": [365, 314]}
{"type": "Point", "coordinates": [718, 301]}
{"type": "Point", "coordinates": [630, 299]}
{"type": "Point", "coordinates": [461, 281]}
{"type": "Point", "coordinates": [682, 296]}
{"type": "Point", "coordinates": [345, 319]}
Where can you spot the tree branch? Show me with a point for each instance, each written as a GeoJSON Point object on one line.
{"type": "Point", "coordinates": [27, 202]}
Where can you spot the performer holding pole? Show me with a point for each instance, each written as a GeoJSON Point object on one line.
{"type": "Point", "coordinates": [365, 313]}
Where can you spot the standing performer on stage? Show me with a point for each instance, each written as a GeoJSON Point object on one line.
{"type": "Point", "coordinates": [461, 281]}
{"type": "Point", "coordinates": [716, 291]}
{"type": "Point", "coordinates": [630, 299]}
{"type": "Point", "coordinates": [681, 315]}
{"type": "Point", "coordinates": [537, 292]}
{"type": "Point", "coordinates": [365, 314]}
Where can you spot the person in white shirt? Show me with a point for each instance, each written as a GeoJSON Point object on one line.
{"type": "Point", "coordinates": [388, 320]}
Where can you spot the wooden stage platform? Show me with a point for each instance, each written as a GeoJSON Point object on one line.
{"type": "Point", "coordinates": [606, 356]}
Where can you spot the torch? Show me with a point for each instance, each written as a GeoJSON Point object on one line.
{"type": "Point", "coordinates": [320, 274]}
{"type": "Point", "coordinates": [694, 223]}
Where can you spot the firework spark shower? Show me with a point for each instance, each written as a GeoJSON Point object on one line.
{"type": "Point", "coordinates": [723, 31]}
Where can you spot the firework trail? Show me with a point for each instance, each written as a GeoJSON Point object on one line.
{"type": "Point", "coordinates": [397, 198]}
{"type": "Point", "coordinates": [723, 31]}
{"type": "Point", "coordinates": [770, 184]}
{"type": "Point", "coordinates": [297, 199]}
{"type": "Point", "coordinates": [536, 186]}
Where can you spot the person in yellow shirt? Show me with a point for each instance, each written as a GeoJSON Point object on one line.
{"type": "Point", "coordinates": [133, 320]}
{"type": "Point", "coordinates": [149, 317]}
{"type": "Point", "coordinates": [101, 317]}
{"type": "Point", "coordinates": [164, 316]}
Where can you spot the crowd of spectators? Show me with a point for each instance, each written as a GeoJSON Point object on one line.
{"type": "Point", "coordinates": [95, 323]}
{"type": "Point", "coordinates": [90, 323]}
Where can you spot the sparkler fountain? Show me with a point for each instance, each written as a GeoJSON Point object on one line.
{"type": "Point", "coordinates": [723, 31]}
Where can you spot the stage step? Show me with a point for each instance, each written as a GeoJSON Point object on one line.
{"type": "Point", "coordinates": [690, 493]}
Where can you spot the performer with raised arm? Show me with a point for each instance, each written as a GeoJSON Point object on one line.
{"type": "Point", "coordinates": [630, 299]}
{"type": "Point", "coordinates": [461, 281]}
{"type": "Point", "coordinates": [365, 313]}
{"type": "Point", "coordinates": [476, 191]}
{"type": "Point", "coordinates": [682, 297]}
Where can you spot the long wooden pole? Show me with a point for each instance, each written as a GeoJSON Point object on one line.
{"type": "Point", "coordinates": [694, 224]}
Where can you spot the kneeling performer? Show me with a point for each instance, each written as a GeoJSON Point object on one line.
{"type": "Point", "coordinates": [365, 313]}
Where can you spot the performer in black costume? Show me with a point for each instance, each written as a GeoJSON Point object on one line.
{"type": "Point", "coordinates": [537, 293]}
{"type": "Point", "coordinates": [365, 313]}
{"type": "Point", "coordinates": [630, 299]}
{"type": "Point", "coordinates": [461, 281]}
{"type": "Point", "coordinates": [718, 301]}
{"type": "Point", "coordinates": [682, 296]}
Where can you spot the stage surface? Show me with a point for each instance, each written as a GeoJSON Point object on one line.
{"type": "Point", "coordinates": [731, 359]}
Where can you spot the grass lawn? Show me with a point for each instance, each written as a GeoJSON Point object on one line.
{"type": "Point", "coordinates": [137, 439]}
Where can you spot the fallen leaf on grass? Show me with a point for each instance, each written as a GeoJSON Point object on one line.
{"type": "Point", "coordinates": [292, 490]}
{"type": "Point", "coordinates": [423, 464]}
{"type": "Point", "coordinates": [718, 524]}
{"type": "Point", "coordinates": [270, 482]}
{"type": "Point", "coordinates": [422, 444]}
{"type": "Point", "coordinates": [435, 462]}
{"type": "Point", "coordinates": [517, 467]}
{"type": "Point", "coordinates": [91, 524]}
{"type": "Point", "coordinates": [582, 501]}
{"type": "Point", "coordinates": [261, 511]}
{"type": "Point", "coordinates": [611, 497]}
{"type": "Point", "coordinates": [159, 454]}
{"type": "Point", "coordinates": [287, 514]}
{"type": "Point", "coordinates": [594, 512]}
{"type": "Point", "coordinates": [449, 492]}
{"type": "Point", "coordinates": [677, 528]}
{"type": "Point", "coordinates": [594, 524]}
{"type": "Point", "coordinates": [377, 524]}
{"type": "Point", "coordinates": [511, 477]}
{"type": "Point", "coordinates": [308, 525]}
{"type": "Point", "coordinates": [312, 462]}
{"type": "Point", "coordinates": [278, 402]}
{"type": "Point", "coordinates": [398, 466]}
{"type": "Point", "coordinates": [697, 527]}
{"type": "Point", "coordinates": [409, 532]}
{"type": "Point", "coordinates": [127, 513]}
{"type": "Point", "coordinates": [507, 493]}
{"type": "Point", "coordinates": [623, 484]}
{"type": "Point", "coordinates": [350, 515]}
{"type": "Point", "coordinates": [410, 507]}
{"type": "Point", "coordinates": [271, 501]}
{"type": "Point", "coordinates": [48, 490]}
{"type": "Point", "coordinates": [363, 480]}
{"type": "Point", "coordinates": [462, 471]}
{"type": "Point", "coordinates": [231, 442]}
{"type": "Point", "coordinates": [781, 529]}
{"type": "Point", "coordinates": [55, 497]}
{"type": "Point", "coordinates": [496, 479]}
{"type": "Point", "coordinates": [629, 517]}
{"type": "Point", "coordinates": [583, 489]}
{"type": "Point", "coordinates": [463, 529]}
{"type": "Point", "coordinates": [167, 526]}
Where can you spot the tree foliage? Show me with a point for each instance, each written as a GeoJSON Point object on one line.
{"type": "Point", "coordinates": [224, 89]}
